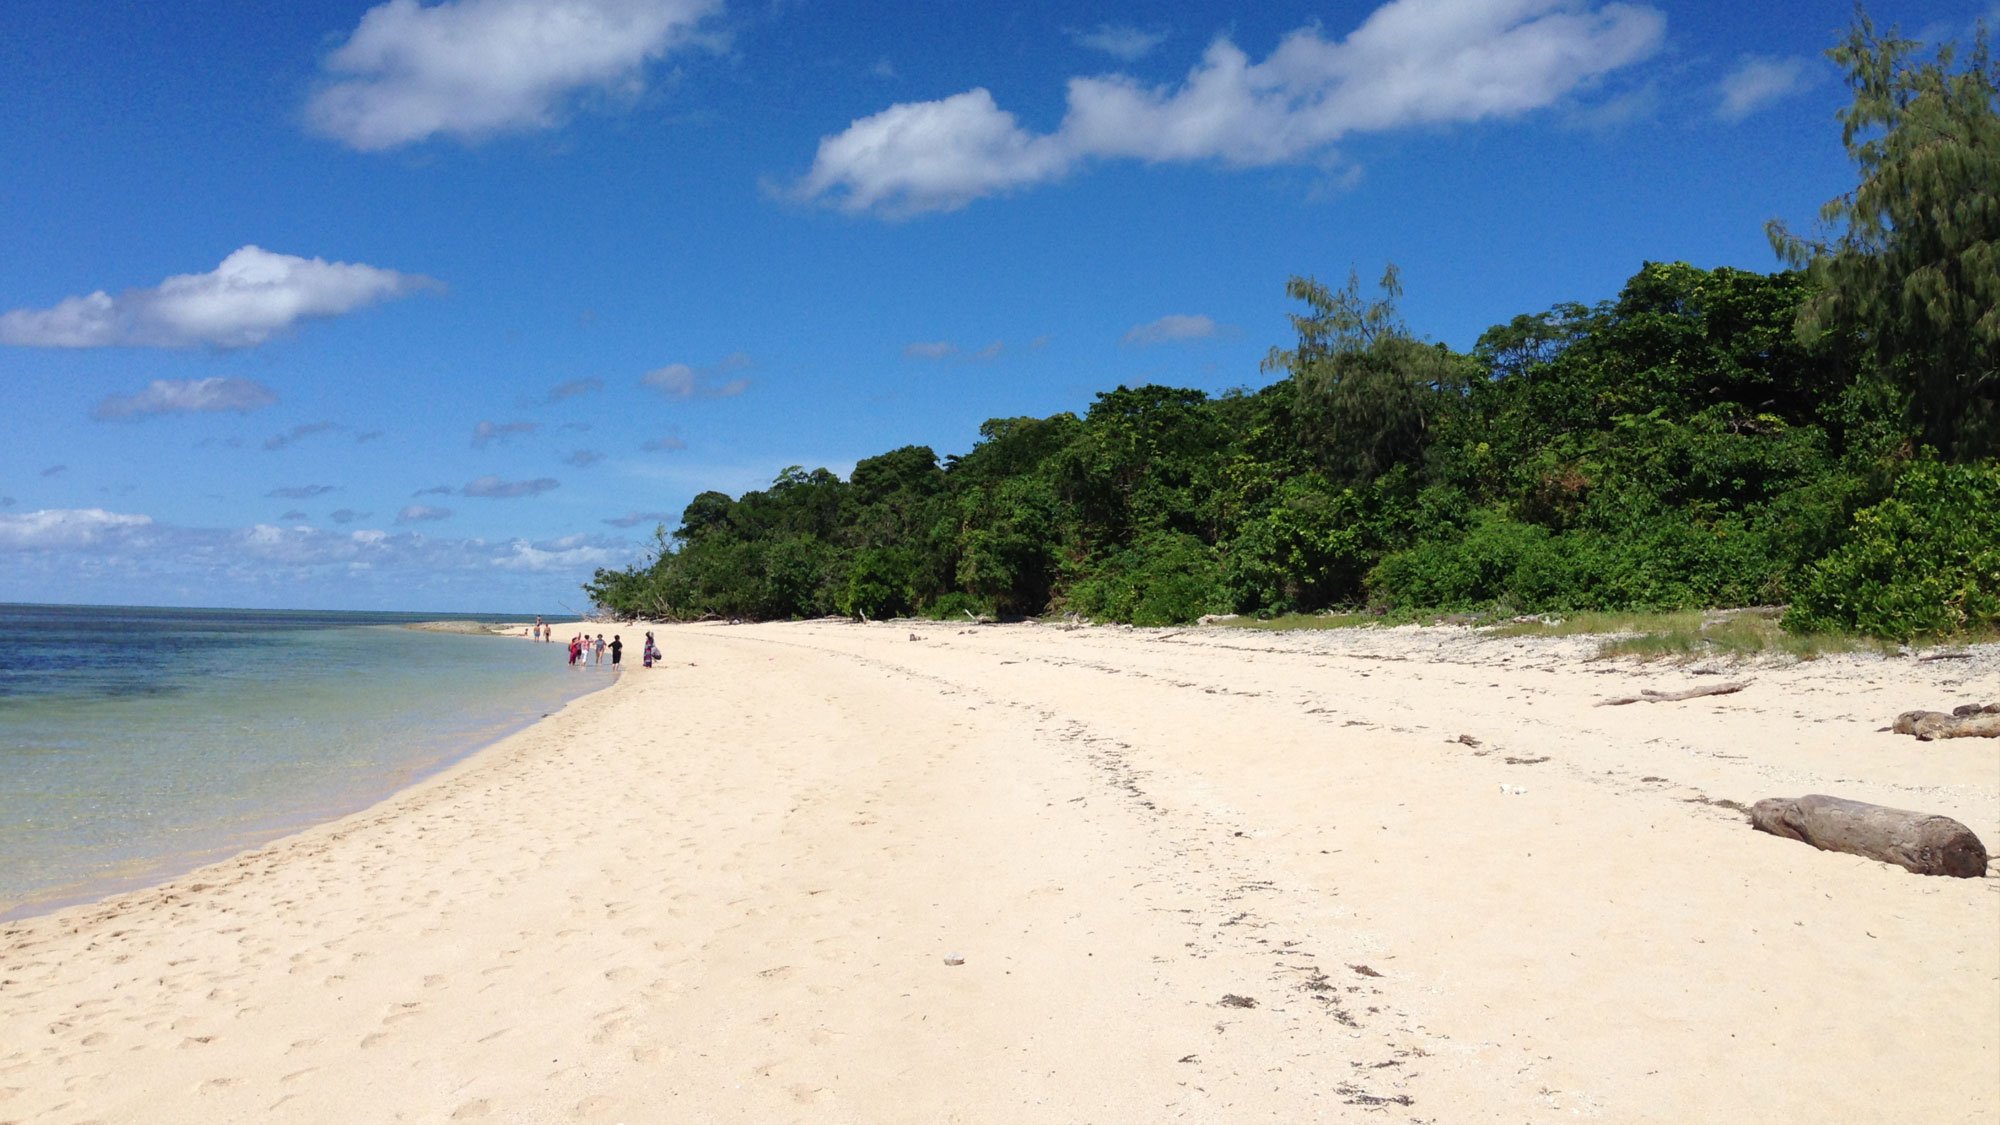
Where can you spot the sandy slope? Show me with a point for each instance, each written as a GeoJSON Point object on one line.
{"type": "Point", "coordinates": [1206, 875]}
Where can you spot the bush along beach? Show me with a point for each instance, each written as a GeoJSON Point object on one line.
{"type": "Point", "coordinates": [1823, 437]}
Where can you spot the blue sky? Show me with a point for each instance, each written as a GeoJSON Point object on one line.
{"type": "Point", "coordinates": [443, 306]}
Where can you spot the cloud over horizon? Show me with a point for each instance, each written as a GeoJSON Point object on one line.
{"type": "Point", "coordinates": [486, 432]}
{"type": "Point", "coordinates": [1122, 40]}
{"type": "Point", "coordinates": [470, 69]}
{"type": "Point", "coordinates": [253, 295]}
{"type": "Point", "coordinates": [1410, 63]}
{"type": "Point", "coordinates": [187, 396]}
{"type": "Point", "coordinates": [422, 513]}
{"type": "Point", "coordinates": [1756, 82]}
{"type": "Point", "coordinates": [493, 488]}
{"type": "Point", "coordinates": [1169, 328]}
{"type": "Point", "coordinates": [679, 380]}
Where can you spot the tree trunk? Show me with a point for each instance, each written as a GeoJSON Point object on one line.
{"type": "Point", "coordinates": [1976, 721]}
{"type": "Point", "coordinates": [1924, 843]}
{"type": "Point", "coordinates": [1648, 695]}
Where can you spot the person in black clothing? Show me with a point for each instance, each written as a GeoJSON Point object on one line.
{"type": "Point", "coordinates": [617, 650]}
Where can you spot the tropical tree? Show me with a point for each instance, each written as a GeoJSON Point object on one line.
{"type": "Point", "coordinates": [1910, 259]}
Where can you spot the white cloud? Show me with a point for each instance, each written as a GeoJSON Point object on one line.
{"type": "Point", "coordinates": [1126, 42]}
{"type": "Point", "coordinates": [1411, 63]}
{"type": "Point", "coordinates": [634, 519]}
{"type": "Point", "coordinates": [1174, 326]}
{"type": "Point", "coordinates": [1757, 82]}
{"type": "Point", "coordinates": [422, 513]}
{"type": "Point", "coordinates": [679, 380]}
{"type": "Point", "coordinates": [187, 396]}
{"type": "Point", "coordinates": [572, 552]}
{"type": "Point", "coordinates": [493, 488]}
{"type": "Point", "coordinates": [301, 491]}
{"type": "Point", "coordinates": [253, 295]}
{"type": "Point", "coordinates": [929, 349]}
{"type": "Point", "coordinates": [472, 68]}
{"type": "Point", "coordinates": [64, 527]}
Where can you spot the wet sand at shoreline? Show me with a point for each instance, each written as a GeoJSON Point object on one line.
{"type": "Point", "coordinates": [1201, 874]}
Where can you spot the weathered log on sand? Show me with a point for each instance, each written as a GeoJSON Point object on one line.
{"type": "Point", "coordinates": [1973, 721]}
{"type": "Point", "coordinates": [1922, 842]}
{"type": "Point", "coordinates": [1650, 696]}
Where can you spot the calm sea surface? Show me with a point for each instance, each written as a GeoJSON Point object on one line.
{"type": "Point", "coordinates": [137, 744]}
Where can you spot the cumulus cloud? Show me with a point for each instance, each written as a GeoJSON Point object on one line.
{"type": "Point", "coordinates": [634, 519]}
{"type": "Point", "coordinates": [1757, 82]}
{"type": "Point", "coordinates": [575, 387]}
{"type": "Point", "coordinates": [571, 552]}
{"type": "Point", "coordinates": [305, 430]}
{"type": "Point", "coordinates": [493, 488]}
{"type": "Point", "coordinates": [301, 491]}
{"type": "Point", "coordinates": [64, 527]}
{"type": "Point", "coordinates": [668, 444]}
{"type": "Point", "coordinates": [1175, 326]}
{"type": "Point", "coordinates": [253, 295]}
{"type": "Point", "coordinates": [472, 68]}
{"type": "Point", "coordinates": [422, 513]}
{"type": "Point", "coordinates": [1124, 41]}
{"type": "Point", "coordinates": [583, 458]}
{"type": "Point", "coordinates": [486, 432]}
{"type": "Point", "coordinates": [1411, 63]}
{"type": "Point", "coordinates": [679, 380]}
{"type": "Point", "coordinates": [187, 396]}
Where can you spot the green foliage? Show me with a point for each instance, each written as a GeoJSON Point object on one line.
{"type": "Point", "coordinates": [1923, 563]}
{"type": "Point", "coordinates": [1911, 266]}
{"type": "Point", "coordinates": [1704, 438]}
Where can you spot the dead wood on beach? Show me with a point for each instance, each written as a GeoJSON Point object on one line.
{"type": "Point", "coordinates": [1925, 843]}
{"type": "Point", "coordinates": [1650, 696]}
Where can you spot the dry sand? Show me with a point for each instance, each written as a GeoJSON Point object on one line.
{"type": "Point", "coordinates": [1205, 875]}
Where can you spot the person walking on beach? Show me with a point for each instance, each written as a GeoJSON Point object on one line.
{"type": "Point", "coordinates": [652, 652]}
{"type": "Point", "coordinates": [575, 650]}
{"type": "Point", "coordinates": [617, 651]}
{"type": "Point", "coordinates": [537, 634]}
{"type": "Point", "coordinates": [600, 648]}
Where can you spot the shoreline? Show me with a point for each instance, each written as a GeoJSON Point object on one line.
{"type": "Point", "coordinates": [911, 871]}
{"type": "Point", "coordinates": [219, 846]}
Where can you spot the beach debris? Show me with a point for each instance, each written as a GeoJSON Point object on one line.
{"type": "Point", "coordinates": [1513, 790]}
{"type": "Point", "coordinates": [1465, 740]}
{"type": "Point", "coordinates": [1514, 761]}
{"type": "Point", "coordinates": [1648, 695]}
{"type": "Point", "coordinates": [1971, 720]}
{"type": "Point", "coordinates": [1231, 1000]}
{"type": "Point", "coordinates": [954, 958]}
{"type": "Point", "coordinates": [1214, 618]}
{"type": "Point", "coordinates": [1925, 843]}
{"type": "Point", "coordinates": [1364, 970]}
{"type": "Point", "coordinates": [916, 636]}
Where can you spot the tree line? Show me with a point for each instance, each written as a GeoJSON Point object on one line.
{"type": "Point", "coordinates": [1823, 436]}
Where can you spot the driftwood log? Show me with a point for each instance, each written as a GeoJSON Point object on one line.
{"type": "Point", "coordinates": [1922, 842]}
{"type": "Point", "coordinates": [1650, 696]}
{"type": "Point", "coordinates": [1973, 720]}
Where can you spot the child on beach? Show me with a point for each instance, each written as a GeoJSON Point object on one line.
{"type": "Point", "coordinates": [617, 651]}
{"type": "Point", "coordinates": [652, 652]}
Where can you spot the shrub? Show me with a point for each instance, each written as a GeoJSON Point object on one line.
{"type": "Point", "coordinates": [1924, 562]}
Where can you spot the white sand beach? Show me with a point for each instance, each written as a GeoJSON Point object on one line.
{"type": "Point", "coordinates": [1207, 875]}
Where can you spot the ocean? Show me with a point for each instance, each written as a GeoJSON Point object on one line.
{"type": "Point", "coordinates": [138, 744]}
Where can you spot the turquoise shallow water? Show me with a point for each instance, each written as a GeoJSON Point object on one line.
{"type": "Point", "coordinates": [136, 744]}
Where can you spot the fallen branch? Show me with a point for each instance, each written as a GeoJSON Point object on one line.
{"type": "Point", "coordinates": [1973, 720]}
{"type": "Point", "coordinates": [1921, 842]}
{"type": "Point", "coordinates": [1650, 696]}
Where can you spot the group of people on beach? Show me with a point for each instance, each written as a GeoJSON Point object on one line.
{"type": "Point", "coordinates": [585, 650]}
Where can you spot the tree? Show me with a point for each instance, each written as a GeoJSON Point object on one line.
{"type": "Point", "coordinates": [1911, 257]}
{"type": "Point", "coordinates": [1366, 388]}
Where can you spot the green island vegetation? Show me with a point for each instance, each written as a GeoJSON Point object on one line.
{"type": "Point", "coordinates": [1823, 437]}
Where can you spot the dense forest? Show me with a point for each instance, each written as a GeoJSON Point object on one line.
{"type": "Point", "coordinates": [1822, 437]}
